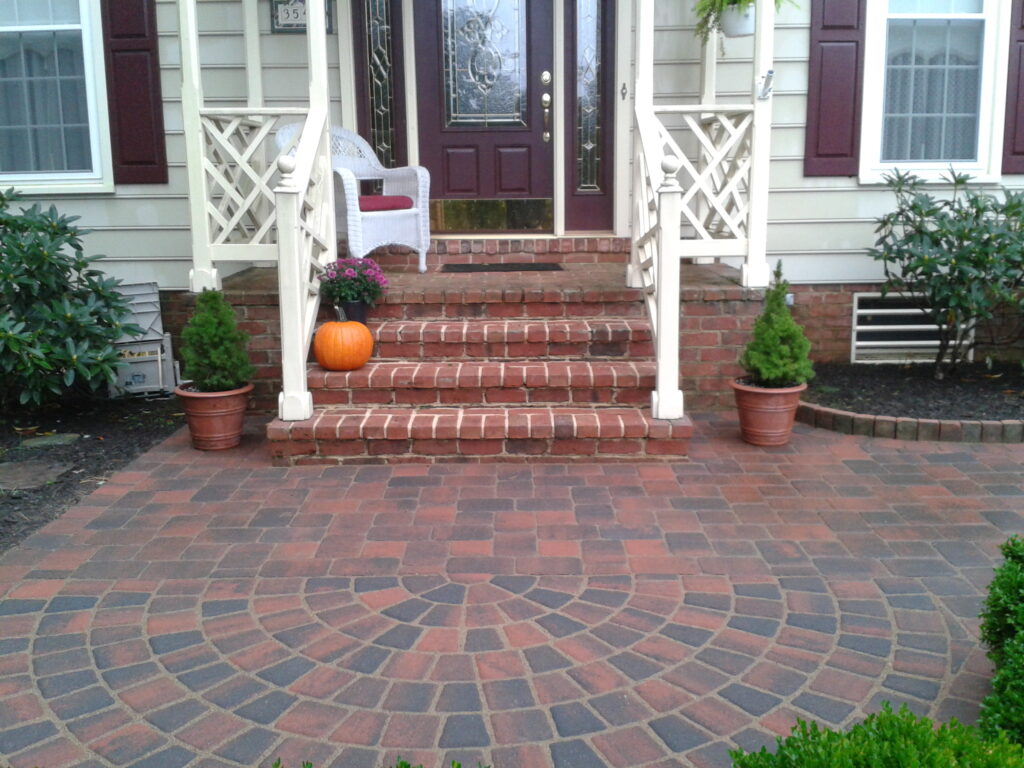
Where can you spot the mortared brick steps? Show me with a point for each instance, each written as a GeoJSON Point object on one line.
{"type": "Point", "coordinates": [493, 366]}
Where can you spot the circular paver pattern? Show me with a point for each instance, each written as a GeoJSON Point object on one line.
{"type": "Point", "coordinates": [509, 670]}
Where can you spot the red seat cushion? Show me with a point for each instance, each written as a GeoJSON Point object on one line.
{"type": "Point", "coordinates": [384, 202]}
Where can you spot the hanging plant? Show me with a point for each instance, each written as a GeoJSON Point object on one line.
{"type": "Point", "coordinates": [709, 13]}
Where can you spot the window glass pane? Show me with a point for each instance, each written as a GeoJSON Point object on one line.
{"type": "Point", "coordinates": [380, 79]}
{"type": "Point", "coordinates": [65, 11]}
{"type": "Point", "coordinates": [48, 149]}
{"type": "Point", "coordinates": [8, 11]}
{"type": "Point", "coordinates": [10, 56]}
{"type": "Point", "coordinates": [933, 90]}
{"type": "Point", "coordinates": [936, 6]}
{"type": "Point", "coordinates": [588, 95]}
{"type": "Point", "coordinates": [14, 152]}
{"type": "Point", "coordinates": [12, 103]}
{"type": "Point", "coordinates": [38, 50]}
{"type": "Point", "coordinates": [484, 62]}
{"type": "Point", "coordinates": [70, 60]}
{"type": "Point", "coordinates": [79, 153]}
{"type": "Point", "coordinates": [34, 12]}
{"type": "Point", "coordinates": [73, 102]}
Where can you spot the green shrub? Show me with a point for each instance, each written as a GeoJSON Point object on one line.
{"type": "Point", "coordinates": [213, 347]}
{"type": "Point", "coordinates": [59, 315]}
{"type": "Point", "coordinates": [961, 260]}
{"type": "Point", "coordinates": [1002, 711]}
{"type": "Point", "coordinates": [1002, 618]}
{"type": "Point", "coordinates": [777, 355]}
{"type": "Point", "coordinates": [886, 740]}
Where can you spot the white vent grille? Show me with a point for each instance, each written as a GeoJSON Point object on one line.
{"type": "Point", "coordinates": [891, 329]}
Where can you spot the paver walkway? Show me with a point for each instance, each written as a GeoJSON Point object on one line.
{"type": "Point", "coordinates": [209, 610]}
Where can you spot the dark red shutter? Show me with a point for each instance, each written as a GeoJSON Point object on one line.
{"type": "Point", "coordinates": [133, 92]}
{"type": "Point", "coordinates": [1013, 142]}
{"type": "Point", "coordinates": [835, 88]}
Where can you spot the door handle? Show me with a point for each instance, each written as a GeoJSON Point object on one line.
{"type": "Point", "coordinates": [545, 102]}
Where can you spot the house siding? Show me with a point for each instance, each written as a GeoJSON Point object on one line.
{"type": "Point", "coordinates": [820, 227]}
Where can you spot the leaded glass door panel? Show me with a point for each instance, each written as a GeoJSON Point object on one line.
{"type": "Point", "coordinates": [483, 72]}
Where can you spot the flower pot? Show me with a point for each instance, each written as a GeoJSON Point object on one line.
{"type": "Point", "coordinates": [766, 413]}
{"type": "Point", "coordinates": [737, 22]}
{"type": "Point", "coordinates": [215, 419]}
{"type": "Point", "coordinates": [352, 310]}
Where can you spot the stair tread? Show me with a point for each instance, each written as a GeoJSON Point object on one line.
{"type": "Point", "coordinates": [582, 329]}
{"type": "Point", "coordinates": [458, 374]}
{"type": "Point", "coordinates": [477, 422]}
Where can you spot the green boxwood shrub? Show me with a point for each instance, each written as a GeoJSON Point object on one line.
{"type": "Point", "coordinates": [777, 355]}
{"type": "Point", "coordinates": [213, 346]}
{"type": "Point", "coordinates": [60, 316]}
{"type": "Point", "coordinates": [1002, 618]}
{"type": "Point", "coordinates": [1002, 711]}
{"type": "Point", "coordinates": [886, 739]}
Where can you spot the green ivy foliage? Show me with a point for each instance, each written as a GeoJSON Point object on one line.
{"type": "Point", "coordinates": [960, 259]}
{"type": "Point", "coordinates": [777, 355]}
{"type": "Point", "coordinates": [213, 346]}
{"type": "Point", "coordinates": [886, 739]}
{"type": "Point", "coordinates": [59, 315]}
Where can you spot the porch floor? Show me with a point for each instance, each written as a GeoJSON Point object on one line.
{"type": "Point", "coordinates": [208, 610]}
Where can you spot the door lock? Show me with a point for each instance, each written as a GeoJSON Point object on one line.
{"type": "Point", "coordinates": [545, 102]}
{"type": "Point", "coordinates": [545, 77]}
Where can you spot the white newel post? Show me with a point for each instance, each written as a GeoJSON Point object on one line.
{"type": "Point", "coordinates": [203, 274]}
{"type": "Point", "coordinates": [755, 272]}
{"type": "Point", "coordinates": [667, 398]}
{"type": "Point", "coordinates": [295, 402]}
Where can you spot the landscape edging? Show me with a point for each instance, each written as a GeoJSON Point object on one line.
{"type": "Point", "coordinates": [944, 430]}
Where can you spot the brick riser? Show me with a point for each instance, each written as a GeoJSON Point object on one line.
{"type": "Point", "coordinates": [358, 435]}
{"type": "Point", "coordinates": [560, 250]}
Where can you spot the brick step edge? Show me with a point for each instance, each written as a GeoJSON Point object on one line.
{"type": "Point", "coordinates": [353, 435]}
{"type": "Point", "coordinates": [900, 428]}
{"type": "Point", "coordinates": [514, 338]}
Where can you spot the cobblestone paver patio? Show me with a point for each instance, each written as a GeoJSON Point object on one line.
{"type": "Point", "coordinates": [209, 610]}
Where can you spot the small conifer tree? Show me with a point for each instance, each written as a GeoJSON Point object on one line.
{"type": "Point", "coordinates": [213, 348]}
{"type": "Point", "coordinates": [777, 355]}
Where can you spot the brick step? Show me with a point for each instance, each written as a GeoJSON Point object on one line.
{"type": "Point", "coordinates": [361, 435]}
{"type": "Point", "coordinates": [490, 250]}
{"type": "Point", "coordinates": [540, 382]}
{"type": "Point", "coordinates": [476, 339]}
{"type": "Point", "coordinates": [462, 302]}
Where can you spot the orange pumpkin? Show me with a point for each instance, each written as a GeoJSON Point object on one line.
{"type": "Point", "coordinates": [342, 346]}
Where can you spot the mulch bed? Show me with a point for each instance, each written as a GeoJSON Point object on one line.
{"type": "Point", "coordinates": [113, 432]}
{"type": "Point", "coordinates": [975, 392]}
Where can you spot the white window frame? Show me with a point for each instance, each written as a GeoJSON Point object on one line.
{"type": "Point", "coordinates": [992, 102]}
{"type": "Point", "coordinates": [101, 177]}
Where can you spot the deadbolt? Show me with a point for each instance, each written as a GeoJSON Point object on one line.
{"type": "Point", "coordinates": [545, 77]}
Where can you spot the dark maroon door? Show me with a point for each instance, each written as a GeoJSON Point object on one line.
{"type": "Point", "coordinates": [484, 71]}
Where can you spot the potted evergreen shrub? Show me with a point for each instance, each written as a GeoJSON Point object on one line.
{"type": "Point", "coordinates": [778, 368]}
{"type": "Point", "coordinates": [213, 351]}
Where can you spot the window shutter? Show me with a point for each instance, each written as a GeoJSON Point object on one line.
{"type": "Point", "coordinates": [1013, 142]}
{"type": "Point", "coordinates": [133, 92]}
{"type": "Point", "coordinates": [835, 88]}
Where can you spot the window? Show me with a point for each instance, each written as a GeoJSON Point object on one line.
{"type": "Point", "coordinates": [53, 114]}
{"type": "Point", "coordinates": [934, 87]}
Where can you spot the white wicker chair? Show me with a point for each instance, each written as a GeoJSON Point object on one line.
{"type": "Point", "coordinates": [354, 161]}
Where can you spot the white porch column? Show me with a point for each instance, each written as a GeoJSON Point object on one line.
{"type": "Point", "coordinates": [320, 92]}
{"type": "Point", "coordinates": [755, 272]}
{"type": "Point", "coordinates": [667, 398]}
{"type": "Point", "coordinates": [643, 103]}
{"type": "Point", "coordinates": [203, 274]}
{"type": "Point", "coordinates": [253, 55]}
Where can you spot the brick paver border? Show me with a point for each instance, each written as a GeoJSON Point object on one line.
{"type": "Point", "coordinates": [945, 430]}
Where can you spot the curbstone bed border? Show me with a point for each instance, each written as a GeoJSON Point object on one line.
{"type": "Point", "coordinates": [948, 431]}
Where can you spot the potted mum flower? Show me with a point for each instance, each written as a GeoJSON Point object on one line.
{"type": "Point", "coordinates": [352, 285]}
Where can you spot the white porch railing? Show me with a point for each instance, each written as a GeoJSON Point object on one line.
{"type": "Point", "coordinates": [306, 243]}
{"type": "Point", "coordinates": [700, 188]}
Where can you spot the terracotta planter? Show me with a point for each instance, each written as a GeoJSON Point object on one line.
{"type": "Point", "coordinates": [215, 418]}
{"type": "Point", "coordinates": [766, 414]}
{"type": "Point", "coordinates": [737, 22]}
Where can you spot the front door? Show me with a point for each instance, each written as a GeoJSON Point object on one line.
{"type": "Point", "coordinates": [484, 90]}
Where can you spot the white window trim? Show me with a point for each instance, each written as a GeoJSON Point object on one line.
{"type": "Point", "coordinates": [101, 178]}
{"type": "Point", "coordinates": [995, 60]}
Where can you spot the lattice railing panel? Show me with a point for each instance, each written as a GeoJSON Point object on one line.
{"type": "Point", "coordinates": [241, 171]}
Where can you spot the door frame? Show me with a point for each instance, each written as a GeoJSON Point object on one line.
{"type": "Point", "coordinates": [622, 98]}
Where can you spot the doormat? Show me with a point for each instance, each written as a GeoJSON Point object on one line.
{"type": "Point", "coordinates": [511, 266]}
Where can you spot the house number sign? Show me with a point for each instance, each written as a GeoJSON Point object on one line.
{"type": "Point", "coordinates": [290, 16]}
